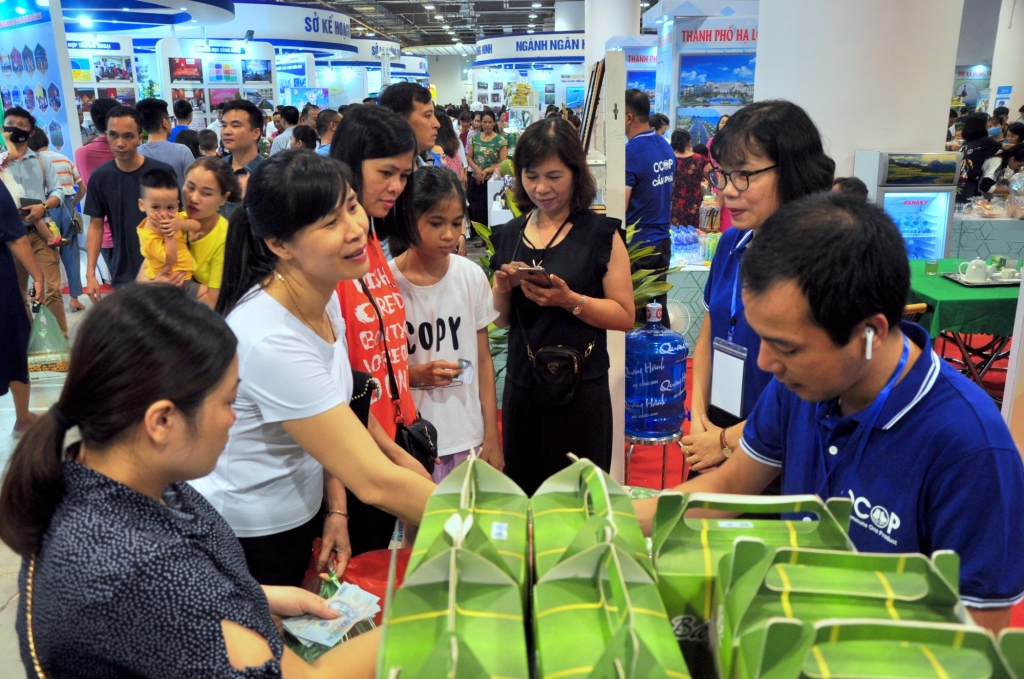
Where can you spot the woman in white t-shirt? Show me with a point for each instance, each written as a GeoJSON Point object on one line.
{"type": "Point", "coordinates": [448, 306]}
{"type": "Point", "coordinates": [296, 443]}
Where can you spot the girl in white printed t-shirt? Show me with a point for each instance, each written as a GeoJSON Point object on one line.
{"type": "Point", "coordinates": [448, 307]}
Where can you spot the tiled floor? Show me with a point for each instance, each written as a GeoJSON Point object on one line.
{"type": "Point", "coordinates": [45, 392]}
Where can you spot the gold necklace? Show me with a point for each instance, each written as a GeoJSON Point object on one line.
{"type": "Point", "coordinates": [302, 316]}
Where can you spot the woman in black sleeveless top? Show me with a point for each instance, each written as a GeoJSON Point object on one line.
{"type": "Point", "coordinates": [591, 292]}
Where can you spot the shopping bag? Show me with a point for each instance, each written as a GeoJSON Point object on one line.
{"type": "Point", "coordinates": [458, 615]}
{"type": "Point", "coordinates": [498, 531]}
{"type": "Point", "coordinates": [686, 552]}
{"type": "Point", "coordinates": [790, 649]}
{"type": "Point", "coordinates": [570, 510]}
{"type": "Point", "coordinates": [757, 583]}
{"type": "Point", "coordinates": [598, 615]}
{"type": "Point", "coordinates": [48, 349]}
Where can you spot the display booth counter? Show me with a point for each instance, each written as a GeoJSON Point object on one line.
{"type": "Point", "coordinates": [972, 237]}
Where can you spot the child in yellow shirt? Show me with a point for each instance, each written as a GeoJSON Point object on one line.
{"type": "Point", "coordinates": [162, 236]}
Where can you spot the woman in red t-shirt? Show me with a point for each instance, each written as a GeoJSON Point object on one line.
{"type": "Point", "coordinates": [379, 146]}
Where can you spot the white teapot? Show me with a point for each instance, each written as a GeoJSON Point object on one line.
{"type": "Point", "coordinates": [977, 271]}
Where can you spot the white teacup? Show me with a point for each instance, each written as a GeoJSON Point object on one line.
{"type": "Point", "coordinates": [1009, 274]}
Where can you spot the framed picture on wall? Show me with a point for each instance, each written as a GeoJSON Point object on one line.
{"type": "Point", "coordinates": [81, 69]}
{"type": "Point", "coordinates": [84, 98]}
{"type": "Point", "coordinates": [482, 85]}
{"type": "Point", "coordinates": [112, 69]}
{"type": "Point", "coordinates": [498, 86]}
{"type": "Point", "coordinates": [256, 71]}
{"type": "Point", "coordinates": [186, 71]}
{"type": "Point", "coordinates": [195, 97]}
{"type": "Point", "coordinates": [495, 98]}
{"type": "Point", "coordinates": [226, 72]}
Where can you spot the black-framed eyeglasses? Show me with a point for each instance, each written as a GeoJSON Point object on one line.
{"type": "Point", "coordinates": [739, 178]}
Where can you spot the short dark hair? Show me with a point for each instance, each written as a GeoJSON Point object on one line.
{"type": "Point", "coordinates": [554, 137]}
{"type": "Point", "coordinates": [953, 113]}
{"type": "Point", "coordinates": [812, 241]}
{"type": "Point", "coordinates": [207, 139]}
{"type": "Point", "coordinates": [182, 109]}
{"type": "Point", "coordinates": [638, 104]}
{"type": "Point", "coordinates": [681, 139]}
{"type": "Point", "coordinates": [342, 109]}
{"type": "Point", "coordinates": [782, 132]}
{"type": "Point", "coordinates": [190, 140]}
{"type": "Point", "coordinates": [306, 136]}
{"type": "Point", "coordinates": [975, 127]}
{"type": "Point", "coordinates": [399, 97]}
{"type": "Point", "coordinates": [307, 108]}
{"type": "Point", "coordinates": [1017, 129]}
{"type": "Point", "coordinates": [465, 116]}
{"type": "Point", "coordinates": [657, 120]}
{"type": "Point", "coordinates": [158, 179]}
{"type": "Point", "coordinates": [99, 110]}
{"type": "Point", "coordinates": [126, 112]}
{"type": "Point", "coordinates": [154, 113]}
{"type": "Point", "coordinates": [370, 100]}
{"type": "Point", "coordinates": [702, 150]}
{"type": "Point", "coordinates": [256, 118]}
{"type": "Point", "coordinates": [324, 120]}
{"type": "Point", "coordinates": [38, 139]}
{"type": "Point", "coordinates": [851, 185]}
{"type": "Point", "coordinates": [1000, 111]}
{"type": "Point", "coordinates": [19, 112]}
{"type": "Point", "coordinates": [290, 115]}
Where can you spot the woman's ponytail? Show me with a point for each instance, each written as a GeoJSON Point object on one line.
{"type": "Point", "coordinates": [247, 261]}
{"type": "Point", "coordinates": [33, 485]}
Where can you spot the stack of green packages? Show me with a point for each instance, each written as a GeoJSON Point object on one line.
{"type": "Point", "coordinates": [687, 552]}
{"type": "Point", "coordinates": [596, 608]}
{"type": "Point", "coordinates": [570, 511]}
{"type": "Point", "coordinates": [459, 613]}
{"type": "Point", "coordinates": [758, 584]}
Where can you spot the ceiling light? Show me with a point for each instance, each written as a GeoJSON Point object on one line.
{"type": "Point", "coordinates": [84, 21]}
{"type": "Point", "coordinates": [533, 16]}
{"type": "Point", "coordinates": [429, 8]}
{"type": "Point", "coordinates": [446, 27]}
{"type": "Point", "coordinates": [536, 4]}
{"type": "Point", "coordinates": [371, 34]}
{"type": "Point", "coordinates": [439, 17]}
{"type": "Point", "coordinates": [183, 9]}
{"type": "Point", "coordinates": [451, 32]}
{"type": "Point", "coordinates": [455, 39]}
{"type": "Point", "coordinates": [645, 4]}
{"type": "Point", "coordinates": [531, 25]}
{"type": "Point", "coordinates": [22, 10]}
{"type": "Point", "coordinates": [194, 21]}
{"type": "Point", "coordinates": [530, 31]}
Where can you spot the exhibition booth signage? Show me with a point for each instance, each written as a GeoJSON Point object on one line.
{"type": "Point", "coordinates": [565, 47]}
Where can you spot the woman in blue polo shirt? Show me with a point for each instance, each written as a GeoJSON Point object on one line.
{"type": "Point", "coordinates": [768, 155]}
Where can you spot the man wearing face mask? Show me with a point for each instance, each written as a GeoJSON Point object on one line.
{"type": "Point", "coordinates": [39, 184]}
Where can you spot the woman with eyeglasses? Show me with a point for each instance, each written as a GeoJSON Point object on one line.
{"type": "Point", "coordinates": [768, 155]}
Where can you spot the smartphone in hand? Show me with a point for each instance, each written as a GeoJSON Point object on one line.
{"type": "Point", "coordinates": [535, 274]}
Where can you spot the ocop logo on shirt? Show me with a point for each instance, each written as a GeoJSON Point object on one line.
{"type": "Point", "coordinates": [663, 166]}
{"type": "Point", "coordinates": [881, 519]}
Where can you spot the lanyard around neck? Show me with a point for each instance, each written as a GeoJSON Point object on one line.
{"type": "Point", "coordinates": [544, 250]}
{"type": "Point", "coordinates": [860, 437]}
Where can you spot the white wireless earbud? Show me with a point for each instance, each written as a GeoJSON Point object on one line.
{"type": "Point", "coordinates": [869, 337]}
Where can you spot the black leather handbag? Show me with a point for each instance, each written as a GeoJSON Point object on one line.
{"type": "Point", "coordinates": [556, 372]}
{"type": "Point", "coordinates": [364, 387]}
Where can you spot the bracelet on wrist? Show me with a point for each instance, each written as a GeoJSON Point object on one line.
{"type": "Point", "coordinates": [339, 512]}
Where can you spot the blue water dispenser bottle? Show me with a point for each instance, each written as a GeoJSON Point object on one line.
{"type": "Point", "coordinates": [655, 379]}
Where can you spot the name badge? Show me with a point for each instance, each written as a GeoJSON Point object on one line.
{"type": "Point", "coordinates": [727, 364]}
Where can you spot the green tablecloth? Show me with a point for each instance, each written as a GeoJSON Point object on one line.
{"type": "Point", "coordinates": [953, 307]}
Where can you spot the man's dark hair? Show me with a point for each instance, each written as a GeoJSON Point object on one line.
{"type": "Point", "coordinates": [1017, 129]}
{"type": "Point", "coordinates": [812, 241]}
{"type": "Point", "coordinates": [638, 104]}
{"type": "Point", "coordinates": [19, 112]}
{"type": "Point", "coordinates": [1021, 110]}
{"type": "Point", "coordinates": [701, 149]}
{"type": "Point", "coordinates": [158, 179]}
{"type": "Point", "coordinates": [852, 186]}
{"type": "Point", "coordinates": [307, 108]}
{"type": "Point", "coordinates": [221, 105]}
{"type": "Point", "coordinates": [290, 115]}
{"type": "Point", "coordinates": [369, 100]}
{"type": "Point", "coordinates": [207, 140]}
{"type": "Point", "coordinates": [680, 140]}
{"type": "Point", "coordinates": [953, 113]}
{"type": "Point", "coordinates": [154, 112]}
{"type": "Point", "coordinates": [342, 109]}
{"type": "Point", "coordinates": [784, 134]}
{"type": "Point", "coordinates": [99, 110]}
{"type": "Point", "coordinates": [126, 112]}
{"type": "Point", "coordinates": [400, 97]}
{"type": "Point", "coordinates": [324, 120]}
{"type": "Point", "coordinates": [975, 127]}
{"type": "Point", "coordinates": [182, 109]}
{"type": "Point", "coordinates": [1000, 111]}
{"type": "Point", "coordinates": [256, 119]}
{"type": "Point", "coordinates": [38, 139]}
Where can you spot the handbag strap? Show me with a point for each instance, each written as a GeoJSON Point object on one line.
{"type": "Point", "coordinates": [515, 309]}
{"type": "Point", "coordinates": [392, 382]}
{"type": "Point", "coordinates": [28, 620]}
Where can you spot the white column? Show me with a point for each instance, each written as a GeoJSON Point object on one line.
{"type": "Point", "coordinates": [1008, 58]}
{"type": "Point", "coordinates": [569, 15]}
{"type": "Point", "coordinates": [872, 74]}
{"type": "Point", "coordinates": [606, 19]}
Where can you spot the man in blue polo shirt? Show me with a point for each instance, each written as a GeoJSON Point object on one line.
{"type": "Point", "coordinates": [861, 407]}
{"type": "Point", "coordinates": [650, 168]}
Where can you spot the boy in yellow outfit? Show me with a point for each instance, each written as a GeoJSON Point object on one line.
{"type": "Point", "coordinates": [162, 234]}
